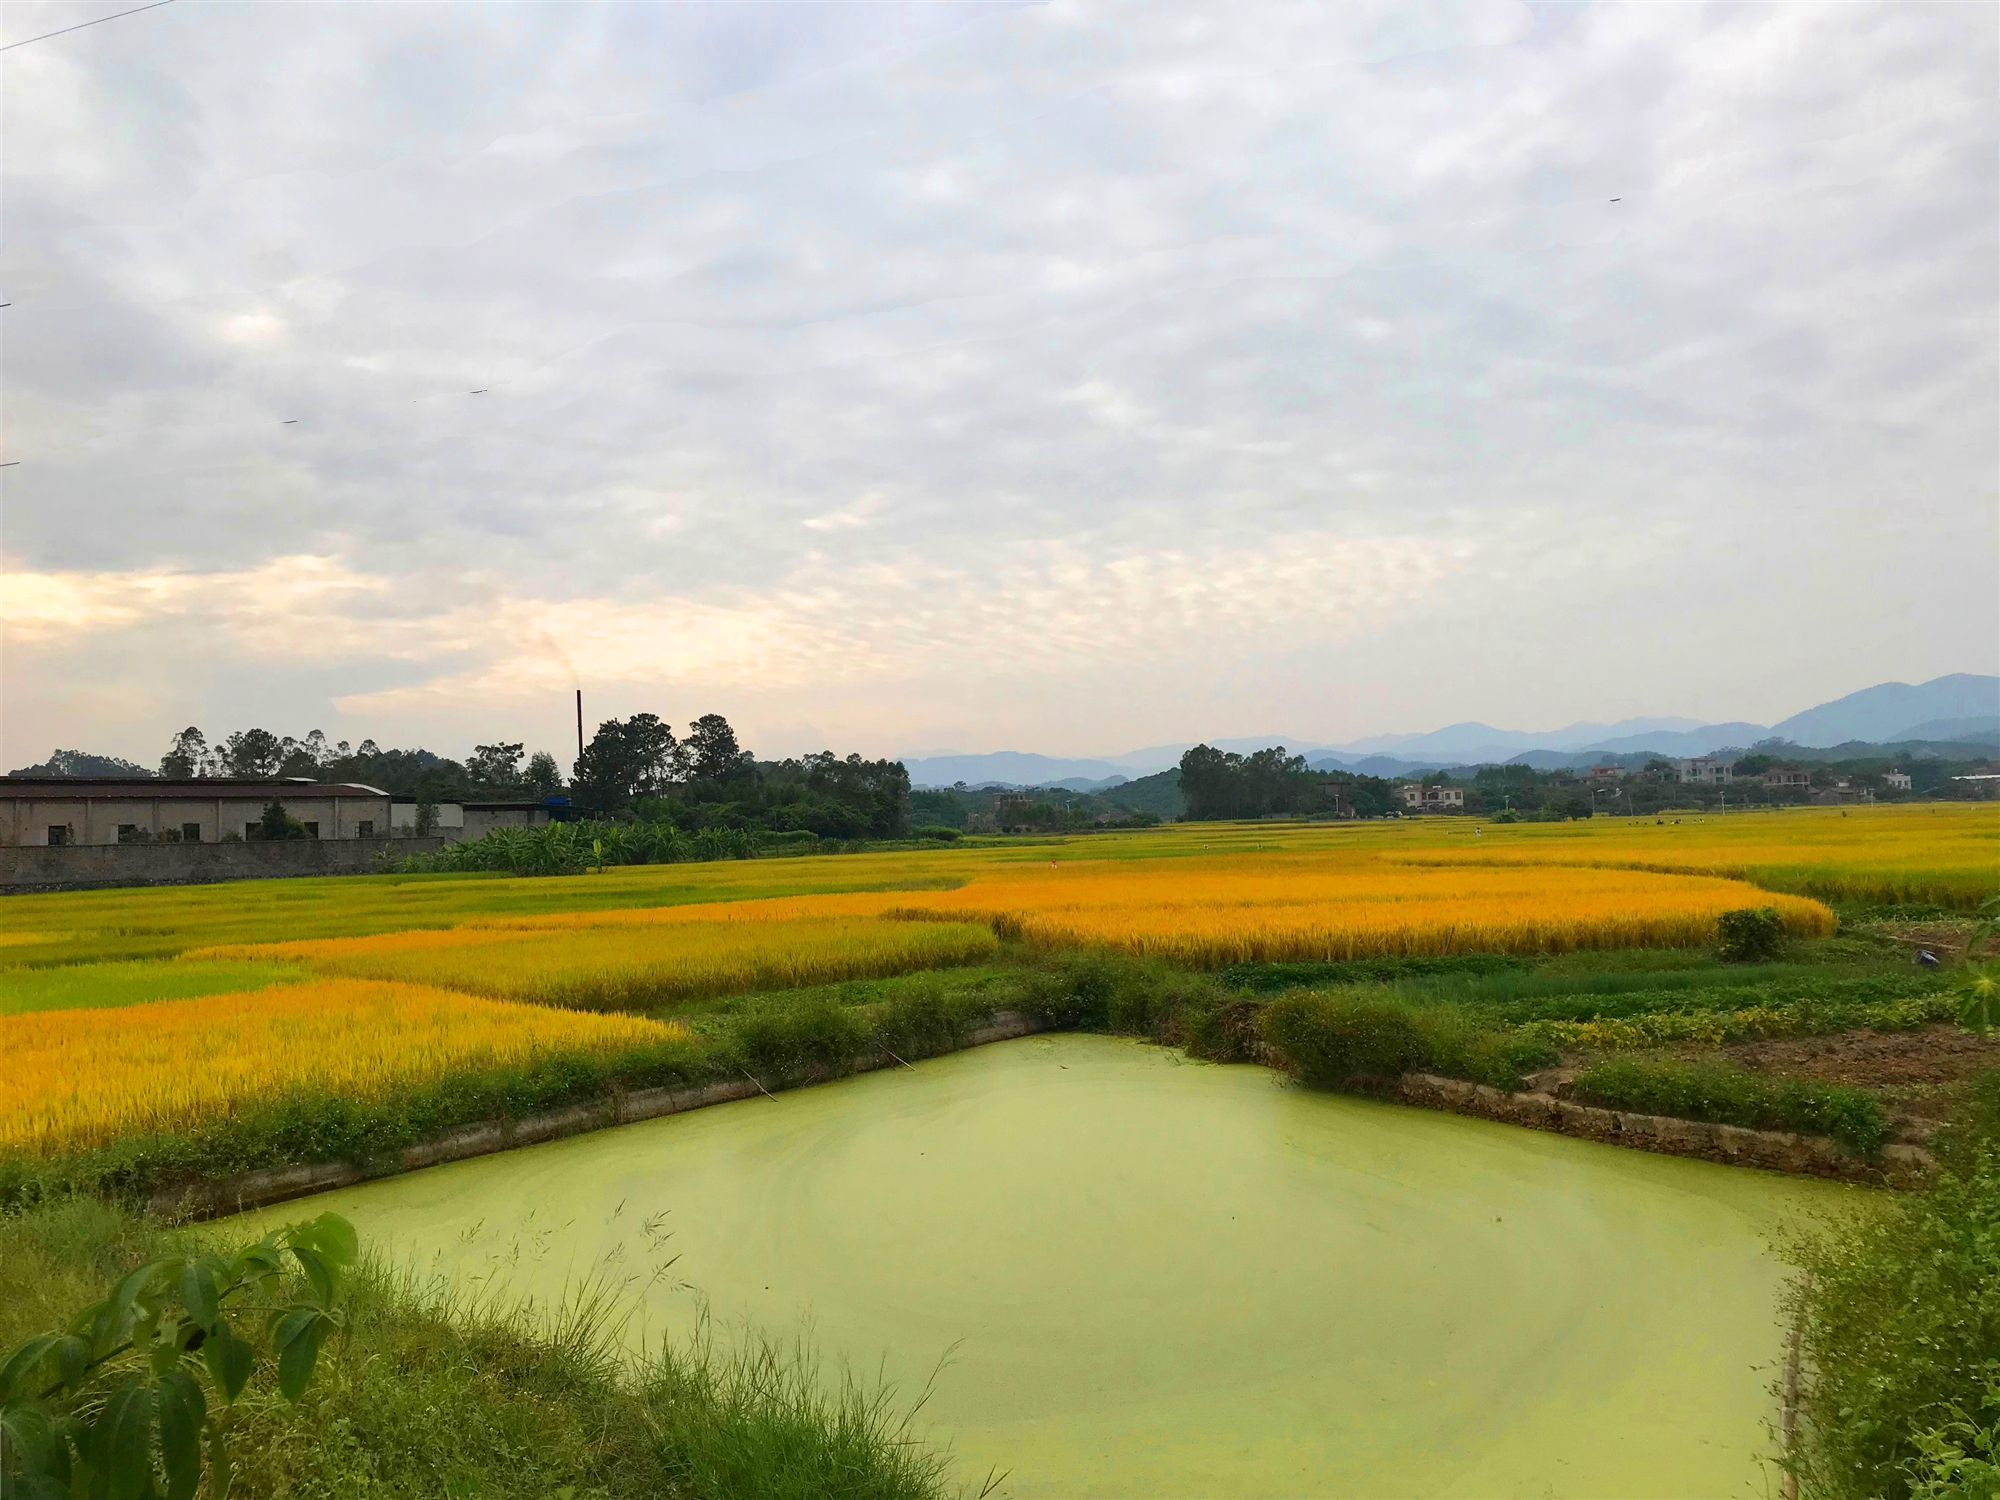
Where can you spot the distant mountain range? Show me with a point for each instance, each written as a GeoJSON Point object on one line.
{"type": "Point", "coordinates": [1963, 708]}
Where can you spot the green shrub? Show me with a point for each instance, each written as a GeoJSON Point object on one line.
{"type": "Point", "coordinates": [1731, 1096]}
{"type": "Point", "coordinates": [1750, 935]}
{"type": "Point", "coordinates": [1327, 1039]}
{"type": "Point", "coordinates": [939, 832]}
{"type": "Point", "coordinates": [787, 1041]}
{"type": "Point", "coordinates": [1900, 1313]}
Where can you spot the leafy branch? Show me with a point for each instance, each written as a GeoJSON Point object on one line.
{"type": "Point", "coordinates": [117, 1406]}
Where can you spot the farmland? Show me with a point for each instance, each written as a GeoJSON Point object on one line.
{"type": "Point", "coordinates": [153, 1037]}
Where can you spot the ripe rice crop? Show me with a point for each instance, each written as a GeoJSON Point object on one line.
{"type": "Point", "coordinates": [1948, 854]}
{"type": "Point", "coordinates": [640, 965]}
{"type": "Point", "coordinates": [1210, 912]}
{"type": "Point", "coordinates": [80, 1078]}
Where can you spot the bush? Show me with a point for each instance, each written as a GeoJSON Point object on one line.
{"type": "Point", "coordinates": [1900, 1313]}
{"type": "Point", "coordinates": [1749, 936]}
{"type": "Point", "coordinates": [939, 832]}
{"type": "Point", "coordinates": [1330, 1039]}
{"type": "Point", "coordinates": [1730, 1096]}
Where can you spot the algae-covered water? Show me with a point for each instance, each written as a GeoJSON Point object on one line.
{"type": "Point", "coordinates": [1164, 1278]}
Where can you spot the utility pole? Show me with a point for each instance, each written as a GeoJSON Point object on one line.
{"type": "Point", "coordinates": [579, 728]}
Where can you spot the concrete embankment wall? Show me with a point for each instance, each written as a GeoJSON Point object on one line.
{"type": "Point", "coordinates": [1775, 1151]}
{"type": "Point", "coordinates": [211, 1199]}
{"type": "Point", "coordinates": [25, 868]}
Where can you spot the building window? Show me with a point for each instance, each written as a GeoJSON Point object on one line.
{"type": "Point", "coordinates": [365, 829]}
{"type": "Point", "coordinates": [252, 832]}
{"type": "Point", "coordinates": [190, 833]}
{"type": "Point", "coordinates": [312, 830]}
{"type": "Point", "coordinates": [59, 833]}
{"type": "Point", "coordinates": [130, 833]}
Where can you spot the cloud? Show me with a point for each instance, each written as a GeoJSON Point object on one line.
{"type": "Point", "coordinates": [817, 344]}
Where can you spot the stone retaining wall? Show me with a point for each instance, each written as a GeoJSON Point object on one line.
{"type": "Point", "coordinates": [1773, 1150]}
{"type": "Point", "coordinates": [210, 1199]}
{"type": "Point", "coordinates": [26, 868]}
{"type": "Point", "coordinates": [1776, 1151]}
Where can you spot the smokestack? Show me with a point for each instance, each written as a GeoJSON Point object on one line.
{"type": "Point", "coordinates": [579, 726]}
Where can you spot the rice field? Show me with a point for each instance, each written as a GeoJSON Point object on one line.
{"type": "Point", "coordinates": [141, 983]}
{"type": "Point", "coordinates": [80, 1078]}
{"type": "Point", "coordinates": [365, 984]}
{"type": "Point", "coordinates": [648, 965]}
{"type": "Point", "coordinates": [1214, 910]}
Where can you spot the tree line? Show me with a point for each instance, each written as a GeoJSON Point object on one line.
{"type": "Point", "coordinates": [639, 768]}
{"type": "Point", "coordinates": [497, 771]}
{"type": "Point", "coordinates": [1222, 784]}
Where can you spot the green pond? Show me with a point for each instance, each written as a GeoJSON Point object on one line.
{"type": "Point", "coordinates": [1156, 1277]}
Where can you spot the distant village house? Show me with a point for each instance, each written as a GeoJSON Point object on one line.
{"type": "Point", "coordinates": [1707, 770]}
{"type": "Point", "coordinates": [1432, 798]}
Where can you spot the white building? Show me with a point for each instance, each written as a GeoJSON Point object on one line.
{"type": "Point", "coordinates": [1706, 770]}
{"type": "Point", "coordinates": [1432, 798]}
{"type": "Point", "coordinates": [1898, 781]}
{"type": "Point", "coordinates": [119, 810]}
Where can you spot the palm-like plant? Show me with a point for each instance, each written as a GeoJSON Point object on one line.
{"type": "Point", "coordinates": [1979, 1004]}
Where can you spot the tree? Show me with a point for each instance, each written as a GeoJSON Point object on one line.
{"type": "Point", "coordinates": [544, 777]}
{"type": "Point", "coordinates": [279, 824]}
{"type": "Point", "coordinates": [253, 752]}
{"type": "Point", "coordinates": [712, 752]}
{"type": "Point", "coordinates": [187, 758]}
{"type": "Point", "coordinates": [495, 768]}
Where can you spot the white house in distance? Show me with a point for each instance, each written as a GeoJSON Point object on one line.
{"type": "Point", "coordinates": [117, 810]}
{"type": "Point", "coordinates": [1706, 770]}
{"type": "Point", "coordinates": [1898, 781]}
{"type": "Point", "coordinates": [1432, 798]}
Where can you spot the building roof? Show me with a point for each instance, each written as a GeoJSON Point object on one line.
{"type": "Point", "coordinates": [139, 789]}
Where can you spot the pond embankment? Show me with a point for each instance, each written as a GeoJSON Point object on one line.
{"type": "Point", "coordinates": [1121, 1273]}
{"type": "Point", "coordinates": [1729, 1145]}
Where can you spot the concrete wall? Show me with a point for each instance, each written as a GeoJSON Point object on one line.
{"type": "Point", "coordinates": [96, 820]}
{"type": "Point", "coordinates": [30, 867]}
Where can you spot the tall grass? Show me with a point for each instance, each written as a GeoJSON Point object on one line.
{"type": "Point", "coordinates": [1900, 1311]}
{"type": "Point", "coordinates": [435, 1392]}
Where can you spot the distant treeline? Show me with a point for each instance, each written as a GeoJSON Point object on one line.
{"type": "Point", "coordinates": [1267, 783]}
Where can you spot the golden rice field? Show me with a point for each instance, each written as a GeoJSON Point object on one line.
{"type": "Point", "coordinates": [588, 962]}
{"type": "Point", "coordinates": [1217, 910]}
{"type": "Point", "coordinates": [1948, 854]}
{"type": "Point", "coordinates": [79, 1078]}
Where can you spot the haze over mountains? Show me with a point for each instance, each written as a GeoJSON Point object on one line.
{"type": "Point", "coordinates": [1960, 707]}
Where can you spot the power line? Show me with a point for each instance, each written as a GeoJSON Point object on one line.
{"type": "Point", "coordinates": [98, 22]}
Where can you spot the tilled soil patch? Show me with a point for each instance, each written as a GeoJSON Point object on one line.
{"type": "Point", "coordinates": [1885, 1060]}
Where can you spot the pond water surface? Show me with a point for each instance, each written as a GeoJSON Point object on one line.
{"type": "Point", "coordinates": [1165, 1278]}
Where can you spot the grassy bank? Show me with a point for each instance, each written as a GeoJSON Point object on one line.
{"type": "Point", "coordinates": [428, 1394]}
{"type": "Point", "coordinates": [1900, 1312]}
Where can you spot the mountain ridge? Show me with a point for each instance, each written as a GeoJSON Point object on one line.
{"type": "Point", "coordinates": [1956, 704]}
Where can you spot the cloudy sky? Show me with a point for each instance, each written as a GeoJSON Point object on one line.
{"type": "Point", "coordinates": [1062, 377]}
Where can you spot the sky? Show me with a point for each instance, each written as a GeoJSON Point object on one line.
{"type": "Point", "coordinates": [1064, 377]}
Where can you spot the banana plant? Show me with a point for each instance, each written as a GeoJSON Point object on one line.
{"type": "Point", "coordinates": [1979, 997]}
{"type": "Point", "coordinates": [133, 1399]}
